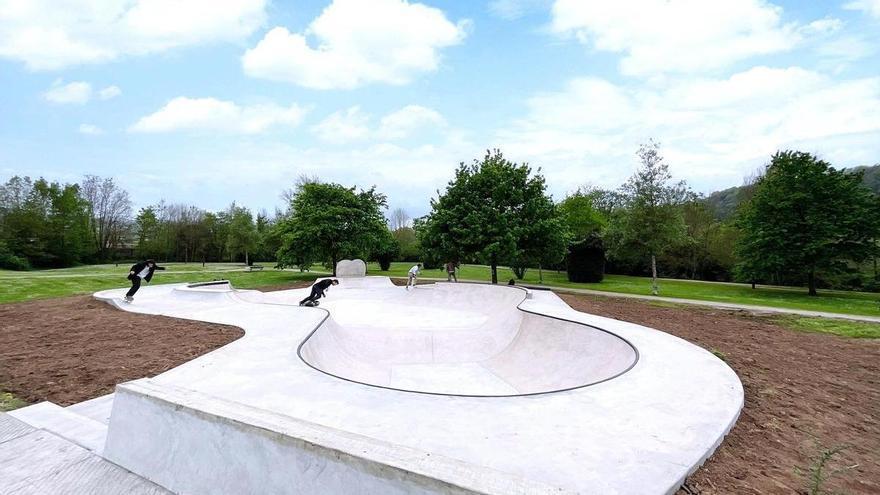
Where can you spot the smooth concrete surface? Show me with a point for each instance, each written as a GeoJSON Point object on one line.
{"type": "Point", "coordinates": [34, 461]}
{"type": "Point", "coordinates": [641, 432]}
{"type": "Point", "coordinates": [164, 430]}
{"type": "Point", "coordinates": [97, 409]}
{"type": "Point", "coordinates": [463, 339]}
{"type": "Point", "coordinates": [81, 430]}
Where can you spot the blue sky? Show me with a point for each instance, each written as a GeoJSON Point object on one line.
{"type": "Point", "coordinates": [195, 103]}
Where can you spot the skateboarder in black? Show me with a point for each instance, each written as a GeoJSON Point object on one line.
{"type": "Point", "coordinates": [140, 271]}
{"type": "Point", "coordinates": [318, 291]}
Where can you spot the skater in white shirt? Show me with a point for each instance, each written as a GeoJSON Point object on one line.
{"type": "Point", "coordinates": [413, 275]}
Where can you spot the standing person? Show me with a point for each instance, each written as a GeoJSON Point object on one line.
{"type": "Point", "coordinates": [140, 271]}
{"type": "Point", "coordinates": [450, 271]}
{"type": "Point", "coordinates": [318, 291]}
{"type": "Point", "coordinates": [413, 275]}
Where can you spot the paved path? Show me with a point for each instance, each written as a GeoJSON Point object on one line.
{"type": "Point", "coordinates": [696, 302]}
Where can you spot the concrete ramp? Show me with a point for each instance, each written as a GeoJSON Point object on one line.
{"type": "Point", "coordinates": [469, 340]}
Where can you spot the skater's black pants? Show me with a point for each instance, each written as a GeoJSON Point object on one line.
{"type": "Point", "coordinates": [314, 296]}
{"type": "Point", "coordinates": [135, 285]}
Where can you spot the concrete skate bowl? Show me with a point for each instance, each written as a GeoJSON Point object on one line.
{"type": "Point", "coordinates": [463, 340]}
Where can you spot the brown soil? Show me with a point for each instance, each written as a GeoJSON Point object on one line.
{"type": "Point", "coordinates": [801, 388]}
{"type": "Point", "coordinates": [803, 392]}
{"type": "Point", "coordinates": [71, 349]}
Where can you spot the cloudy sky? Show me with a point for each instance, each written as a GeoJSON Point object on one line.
{"type": "Point", "coordinates": [190, 101]}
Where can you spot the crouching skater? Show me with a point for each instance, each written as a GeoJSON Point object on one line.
{"type": "Point", "coordinates": [318, 291]}
{"type": "Point", "coordinates": [140, 271]}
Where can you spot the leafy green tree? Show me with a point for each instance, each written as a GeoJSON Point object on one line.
{"type": "Point", "coordinates": [496, 211]}
{"type": "Point", "coordinates": [581, 214]}
{"type": "Point", "coordinates": [650, 219]}
{"type": "Point", "coordinates": [330, 222]}
{"type": "Point", "coordinates": [147, 232]}
{"type": "Point", "coordinates": [807, 218]}
{"type": "Point", "coordinates": [242, 236]}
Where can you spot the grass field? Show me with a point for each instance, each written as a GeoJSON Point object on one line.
{"type": "Point", "coordinates": [24, 286]}
{"type": "Point", "coordinates": [858, 303]}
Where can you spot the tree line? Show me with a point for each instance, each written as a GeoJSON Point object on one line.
{"type": "Point", "coordinates": [798, 221]}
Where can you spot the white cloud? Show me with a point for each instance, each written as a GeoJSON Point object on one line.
{"type": "Point", "coordinates": [53, 34]}
{"type": "Point", "coordinates": [871, 7]}
{"type": "Point", "coordinates": [353, 43]}
{"type": "Point", "coordinates": [713, 131]}
{"type": "Point", "coordinates": [514, 9]}
{"type": "Point", "coordinates": [409, 119]}
{"type": "Point", "coordinates": [352, 124]}
{"type": "Point", "coordinates": [210, 114]}
{"type": "Point", "coordinates": [109, 92]}
{"type": "Point", "coordinates": [78, 92]}
{"type": "Point", "coordinates": [90, 130]}
{"type": "Point", "coordinates": [664, 36]}
{"type": "Point", "coordinates": [343, 126]}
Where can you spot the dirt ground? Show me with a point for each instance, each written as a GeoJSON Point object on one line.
{"type": "Point", "coordinates": [71, 349]}
{"type": "Point", "coordinates": [803, 392]}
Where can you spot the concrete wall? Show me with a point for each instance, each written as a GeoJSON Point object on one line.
{"type": "Point", "coordinates": [196, 444]}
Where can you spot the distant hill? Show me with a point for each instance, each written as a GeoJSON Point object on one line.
{"type": "Point", "coordinates": [724, 203]}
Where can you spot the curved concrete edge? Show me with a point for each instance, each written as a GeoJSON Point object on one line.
{"type": "Point", "coordinates": [639, 336]}
{"type": "Point", "coordinates": [161, 429]}
{"type": "Point", "coordinates": [526, 295]}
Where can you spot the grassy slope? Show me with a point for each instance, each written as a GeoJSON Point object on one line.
{"type": "Point", "coordinates": [861, 303]}
{"type": "Point", "coordinates": [23, 286]}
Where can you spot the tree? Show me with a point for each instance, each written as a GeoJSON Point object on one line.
{"type": "Point", "coordinates": [400, 219]}
{"type": "Point", "coordinates": [496, 211]}
{"type": "Point", "coordinates": [242, 234]}
{"type": "Point", "coordinates": [330, 222]}
{"type": "Point", "coordinates": [806, 218]}
{"type": "Point", "coordinates": [650, 220]}
{"type": "Point", "coordinates": [110, 210]}
{"type": "Point", "coordinates": [581, 215]}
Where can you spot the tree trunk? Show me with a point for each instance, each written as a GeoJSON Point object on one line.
{"type": "Point", "coordinates": [753, 284]}
{"type": "Point", "coordinates": [246, 258]}
{"type": "Point", "coordinates": [494, 264]}
{"type": "Point", "coordinates": [811, 281]}
{"type": "Point", "coordinates": [333, 260]}
{"type": "Point", "coordinates": [540, 275]}
{"type": "Point", "coordinates": [654, 289]}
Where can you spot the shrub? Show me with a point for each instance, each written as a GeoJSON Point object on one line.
{"type": "Point", "coordinates": [586, 260]}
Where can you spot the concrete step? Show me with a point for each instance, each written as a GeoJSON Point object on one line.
{"type": "Point", "coordinates": [98, 408]}
{"type": "Point", "coordinates": [34, 461]}
{"type": "Point", "coordinates": [12, 428]}
{"type": "Point", "coordinates": [81, 430]}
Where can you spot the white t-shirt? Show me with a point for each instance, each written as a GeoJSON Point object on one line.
{"type": "Point", "coordinates": [414, 270]}
{"type": "Point", "coordinates": [143, 273]}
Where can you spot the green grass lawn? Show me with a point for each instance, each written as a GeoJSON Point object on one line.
{"type": "Point", "coordinates": [842, 328]}
{"type": "Point", "coordinates": [9, 402]}
{"type": "Point", "coordinates": [859, 303]}
{"type": "Point", "coordinates": [23, 286]}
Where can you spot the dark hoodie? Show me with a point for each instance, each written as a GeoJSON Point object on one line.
{"type": "Point", "coordinates": [137, 267]}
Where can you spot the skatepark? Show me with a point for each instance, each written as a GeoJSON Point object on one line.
{"type": "Point", "coordinates": [442, 388]}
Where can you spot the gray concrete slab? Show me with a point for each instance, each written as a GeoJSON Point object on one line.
{"type": "Point", "coordinates": [78, 429]}
{"type": "Point", "coordinates": [42, 463]}
{"type": "Point", "coordinates": [97, 409]}
{"type": "Point", "coordinates": [11, 427]}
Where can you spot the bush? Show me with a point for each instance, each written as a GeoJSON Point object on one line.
{"type": "Point", "coordinates": [384, 260]}
{"type": "Point", "coordinates": [586, 260]}
{"type": "Point", "coordinates": [12, 262]}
